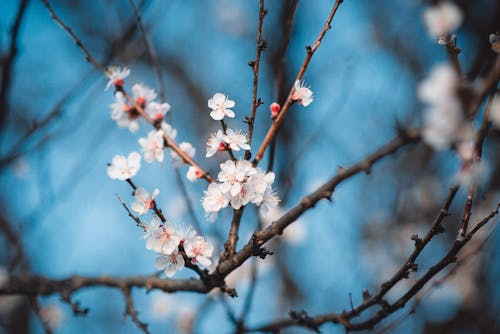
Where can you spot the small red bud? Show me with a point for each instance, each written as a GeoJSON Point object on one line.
{"type": "Point", "coordinates": [222, 147]}
{"type": "Point", "coordinates": [275, 109]}
{"type": "Point", "coordinates": [119, 83]}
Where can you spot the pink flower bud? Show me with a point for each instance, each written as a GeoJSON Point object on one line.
{"type": "Point", "coordinates": [275, 109]}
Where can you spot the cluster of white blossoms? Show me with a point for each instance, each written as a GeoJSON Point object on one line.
{"type": "Point", "coordinates": [176, 245]}
{"type": "Point", "coordinates": [302, 93]}
{"type": "Point", "coordinates": [442, 19]}
{"type": "Point", "coordinates": [444, 122]}
{"type": "Point", "coordinates": [239, 183]}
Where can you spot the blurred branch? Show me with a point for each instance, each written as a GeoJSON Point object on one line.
{"type": "Point", "coordinates": [131, 311]}
{"type": "Point", "coordinates": [7, 61]}
{"type": "Point", "coordinates": [387, 308]}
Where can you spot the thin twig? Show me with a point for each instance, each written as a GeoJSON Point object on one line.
{"type": "Point", "coordinates": [260, 45]}
{"type": "Point", "coordinates": [309, 54]}
{"type": "Point", "coordinates": [131, 311]}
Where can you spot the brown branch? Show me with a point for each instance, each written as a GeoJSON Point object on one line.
{"type": "Point", "coordinates": [37, 310]}
{"type": "Point", "coordinates": [310, 52]}
{"type": "Point", "coordinates": [323, 192]}
{"type": "Point", "coordinates": [260, 45]}
{"type": "Point", "coordinates": [75, 38]}
{"type": "Point", "coordinates": [387, 308]}
{"type": "Point", "coordinates": [232, 239]}
{"type": "Point", "coordinates": [131, 215]}
{"type": "Point", "coordinates": [287, 23]}
{"type": "Point", "coordinates": [40, 285]}
{"type": "Point", "coordinates": [7, 62]}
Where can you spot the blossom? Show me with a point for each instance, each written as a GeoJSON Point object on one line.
{"type": "Point", "coordinates": [169, 130]}
{"type": "Point", "coordinates": [199, 250]}
{"type": "Point", "coordinates": [302, 93]}
{"type": "Point", "coordinates": [275, 109]}
{"type": "Point", "coordinates": [232, 174]}
{"type": "Point", "coordinates": [193, 174]}
{"type": "Point", "coordinates": [185, 147]}
{"type": "Point", "coordinates": [495, 111]}
{"type": "Point", "coordinates": [442, 19]}
{"type": "Point", "coordinates": [116, 76]}
{"type": "Point", "coordinates": [152, 146]}
{"type": "Point", "coordinates": [215, 143]}
{"type": "Point", "coordinates": [443, 118]}
{"type": "Point", "coordinates": [143, 94]}
{"type": "Point", "coordinates": [236, 140]}
{"type": "Point", "coordinates": [161, 238]}
{"type": "Point", "coordinates": [124, 114]}
{"type": "Point", "coordinates": [441, 86]}
{"type": "Point", "coordinates": [157, 111]}
{"type": "Point", "coordinates": [220, 105]}
{"type": "Point", "coordinates": [171, 263]}
{"type": "Point", "coordinates": [270, 200]}
{"type": "Point", "coordinates": [238, 184]}
{"type": "Point", "coordinates": [143, 201]}
{"type": "Point", "coordinates": [214, 200]}
{"type": "Point", "coordinates": [123, 168]}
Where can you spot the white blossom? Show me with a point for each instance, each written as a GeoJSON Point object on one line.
{"type": "Point", "coordinates": [157, 111]}
{"type": "Point", "coordinates": [220, 105]}
{"type": "Point", "coordinates": [152, 146]}
{"type": "Point", "coordinates": [199, 250]}
{"type": "Point", "coordinates": [236, 140]}
{"type": "Point", "coordinates": [123, 168]}
{"type": "Point", "coordinates": [125, 115]}
{"type": "Point", "coordinates": [186, 148]}
{"type": "Point", "coordinates": [171, 263]}
{"type": "Point", "coordinates": [116, 76]}
{"type": "Point", "coordinates": [302, 93]}
{"type": "Point", "coordinates": [161, 238]}
{"type": "Point", "coordinates": [215, 143]}
{"type": "Point", "coordinates": [442, 19]}
{"type": "Point", "coordinates": [143, 95]}
{"type": "Point", "coordinates": [238, 184]}
{"type": "Point", "coordinates": [495, 42]}
{"type": "Point", "coordinates": [169, 130]}
{"type": "Point", "coordinates": [143, 200]}
{"type": "Point", "coordinates": [495, 111]}
{"type": "Point", "coordinates": [443, 118]}
{"type": "Point", "coordinates": [214, 200]}
{"type": "Point", "coordinates": [193, 174]}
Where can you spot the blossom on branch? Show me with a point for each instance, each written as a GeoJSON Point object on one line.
{"type": "Point", "coordinates": [193, 174]}
{"type": "Point", "coordinates": [220, 105]}
{"type": "Point", "coordinates": [124, 114]}
{"type": "Point", "coordinates": [186, 148]}
{"type": "Point", "coordinates": [442, 19]}
{"type": "Point", "coordinates": [235, 140]}
{"type": "Point", "coordinates": [215, 143]}
{"type": "Point", "coordinates": [116, 76]}
{"type": "Point", "coordinates": [161, 238]}
{"type": "Point", "coordinates": [157, 111]}
{"type": "Point", "coordinates": [302, 93]}
{"type": "Point", "coordinates": [152, 146]}
{"type": "Point", "coordinates": [169, 130]}
{"type": "Point", "coordinates": [123, 168]}
{"type": "Point", "coordinates": [198, 250]}
{"type": "Point", "coordinates": [170, 263]}
{"type": "Point", "coordinates": [239, 183]}
{"type": "Point", "coordinates": [143, 200]}
{"type": "Point", "coordinates": [143, 95]}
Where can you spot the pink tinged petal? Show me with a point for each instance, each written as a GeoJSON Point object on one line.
{"type": "Point", "coordinates": [138, 208]}
{"type": "Point", "coordinates": [133, 126]}
{"type": "Point", "coordinates": [235, 189]}
{"type": "Point", "coordinates": [219, 98]}
{"type": "Point", "coordinates": [230, 113]}
{"type": "Point", "coordinates": [149, 156]}
{"type": "Point", "coordinates": [162, 262]}
{"type": "Point", "coordinates": [141, 194]}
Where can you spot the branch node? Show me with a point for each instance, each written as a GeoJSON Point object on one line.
{"type": "Point", "coordinates": [303, 319]}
